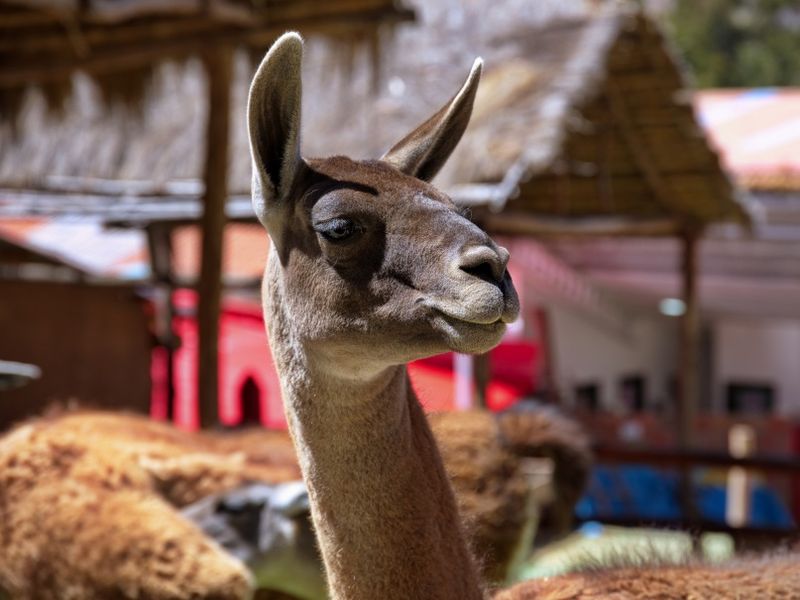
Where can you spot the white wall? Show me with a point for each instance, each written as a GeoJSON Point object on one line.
{"type": "Point", "coordinates": [759, 351]}
{"type": "Point", "coordinates": [587, 351]}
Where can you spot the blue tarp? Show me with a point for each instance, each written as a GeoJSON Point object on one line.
{"type": "Point", "coordinates": [646, 493]}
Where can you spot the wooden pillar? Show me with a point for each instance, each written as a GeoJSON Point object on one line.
{"type": "Point", "coordinates": [547, 386]}
{"type": "Point", "coordinates": [689, 365]}
{"type": "Point", "coordinates": [688, 388]}
{"type": "Point", "coordinates": [159, 240]}
{"type": "Point", "coordinates": [481, 373]}
{"type": "Point", "coordinates": [218, 66]}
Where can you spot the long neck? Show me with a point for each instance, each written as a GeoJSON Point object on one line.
{"type": "Point", "coordinates": [381, 503]}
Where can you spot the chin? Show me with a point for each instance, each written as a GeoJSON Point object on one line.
{"type": "Point", "coordinates": [470, 338]}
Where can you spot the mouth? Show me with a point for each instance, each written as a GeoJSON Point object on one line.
{"type": "Point", "coordinates": [499, 312]}
{"type": "Point", "coordinates": [476, 322]}
{"type": "Point", "coordinates": [468, 336]}
{"type": "Point", "coordinates": [457, 321]}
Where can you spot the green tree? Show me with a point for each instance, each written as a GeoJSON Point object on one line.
{"type": "Point", "coordinates": [739, 43]}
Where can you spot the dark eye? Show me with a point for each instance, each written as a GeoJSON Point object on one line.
{"type": "Point", "coordinates": [337, 230]}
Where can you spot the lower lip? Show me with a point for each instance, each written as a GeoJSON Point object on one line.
{"type": "Point", "coordinates": [456, 323]}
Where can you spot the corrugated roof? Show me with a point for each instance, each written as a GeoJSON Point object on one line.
{"type": "Point", "coordinates": [121, 254]}
{"type": "Point", "coordinates": [82, 244]}
{"type": "Point", "coordinates": [757, 132]}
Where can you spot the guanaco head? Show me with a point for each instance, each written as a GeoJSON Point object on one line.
{"type": "Point", "coordinates": [372, 265]}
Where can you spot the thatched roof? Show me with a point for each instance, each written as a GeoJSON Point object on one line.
{"type": "Point", "coordinates": [583, 111]}
{"type": "Point", "coordinates": [580, 114]}
{"type": "Point", "coordinates": [119, 42]}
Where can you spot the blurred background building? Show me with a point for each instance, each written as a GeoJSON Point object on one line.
{"type": "Point", "coordinates": [654, 227]}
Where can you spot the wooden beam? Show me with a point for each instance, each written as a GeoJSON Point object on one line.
{"type": "Point", "coordinates": [97, 26]}
{"type": "Point", "coordinates": [219, 69]}
{"type": "Point", "coordinates": [689, 359]}
{"type": "Point", "coordinates": [16, 18]}
{"type": "Point", "coordinates": [134, 212]}
{"type": "Point", "coordinates": [548, 382]}
{"type": "Point", "coordinates": [481, 372]}
{"type": "Point", "coordinates": [93, 186]}
{"type": "Point", "coordinates": [66, 276]}
{"type": "Point", "coordinates": [672, 458]}
{"type": "Point", "coordinates": [120, 57]}
{"type": "Point", "coordinates": [689, 363]}
{"type": "Point", "coordinates": [519, 223]}
{"type": "Point", "coordinates": [159, 242]}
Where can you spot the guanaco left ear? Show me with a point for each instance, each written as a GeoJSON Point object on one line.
{"type": "Point", "coordinates": [273, 120]}
{"type": "Point", "coordinates": [425, 150]}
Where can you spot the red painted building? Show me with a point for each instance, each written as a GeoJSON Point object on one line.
{"type": "Point", "coordinates": [249, 388]}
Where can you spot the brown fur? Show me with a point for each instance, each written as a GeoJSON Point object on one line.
{"type": "Point", "coordinates": [482, 453]}
{"type": "Point", "coordinates": [546, 433]}
{"type": "Point", "coordinates": [776, 577]}
{"type": "Point", "coordinates": [88, 509]}
{"type": "Point", "coordinates": [344, 314]}
{"type": "Point", "coordinates": [157, 463]}
{"type": "Point", "coordinates": [384, 513]}
{"type": "Point", "coordinates": [491, 490]}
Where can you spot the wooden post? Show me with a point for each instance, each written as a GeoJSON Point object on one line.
{"type": "Point", "coordinates": [481, 373]}
{"type": "Point", "coordinates": [159, 240]}
{"type": "Point", "coordinates": [218, 66]}
{"type": "Point", "coordinates": [688, 389]}
{"type": "Point", "coordinates": [689, 366]}
{"type": "Point", "coordinates": [547, 385]}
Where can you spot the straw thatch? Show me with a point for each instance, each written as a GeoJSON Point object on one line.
{"type": "Point", "coordinates": [120, 42]}
{"type": "Point", "coordinates": [580, 113]}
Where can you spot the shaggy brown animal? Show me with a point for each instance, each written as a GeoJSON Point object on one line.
{"type": "Point", "coordinates": [541, 431]}
{"type": "Point", "coordinates": [776, 577]}
{"type": "Point", "coordinates": [484, 456]}
{"type": "Point", "coordinates": [95, 470]}
{"type": "Point", "coordinates": [115, 470]}
{"type": "Point", "coordinates": [491, 490]}
{"type": "Point", "coordinates": [88, 509]}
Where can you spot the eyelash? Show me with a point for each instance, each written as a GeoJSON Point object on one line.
{"type": "Point", "coordinates": [328, 228]}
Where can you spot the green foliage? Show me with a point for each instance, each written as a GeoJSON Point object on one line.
{"type": "Point", "coordinates": [739, 43]}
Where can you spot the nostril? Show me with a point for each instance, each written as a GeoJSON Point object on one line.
{"type": "Point", "coordinates": [484, 270]}
{"type": "Point", "coordinates": [484, 262]}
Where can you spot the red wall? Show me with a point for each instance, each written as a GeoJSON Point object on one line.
{"type": "Point", "coordinates": [244, 353]}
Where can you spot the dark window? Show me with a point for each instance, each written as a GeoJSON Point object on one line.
{"type": "Point", "coordinates": [745, 398]}
{"type": "Point", "coordinates": [587, 397]}
{"type": "Point", "coordinates": [632, 392]}
{"type": "Point", "coordinates": [250, 398]}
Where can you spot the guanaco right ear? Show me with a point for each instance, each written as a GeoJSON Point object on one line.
{"type": "Point", "coordinates": [273, 120]}
{"type": "Point", "coordinates": [425, 150]}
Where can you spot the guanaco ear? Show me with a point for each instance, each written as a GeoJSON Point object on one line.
{"type": "Point", "coordinates": [273, 120]}
{"type": "Point", "coordinates": [425, 150]}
